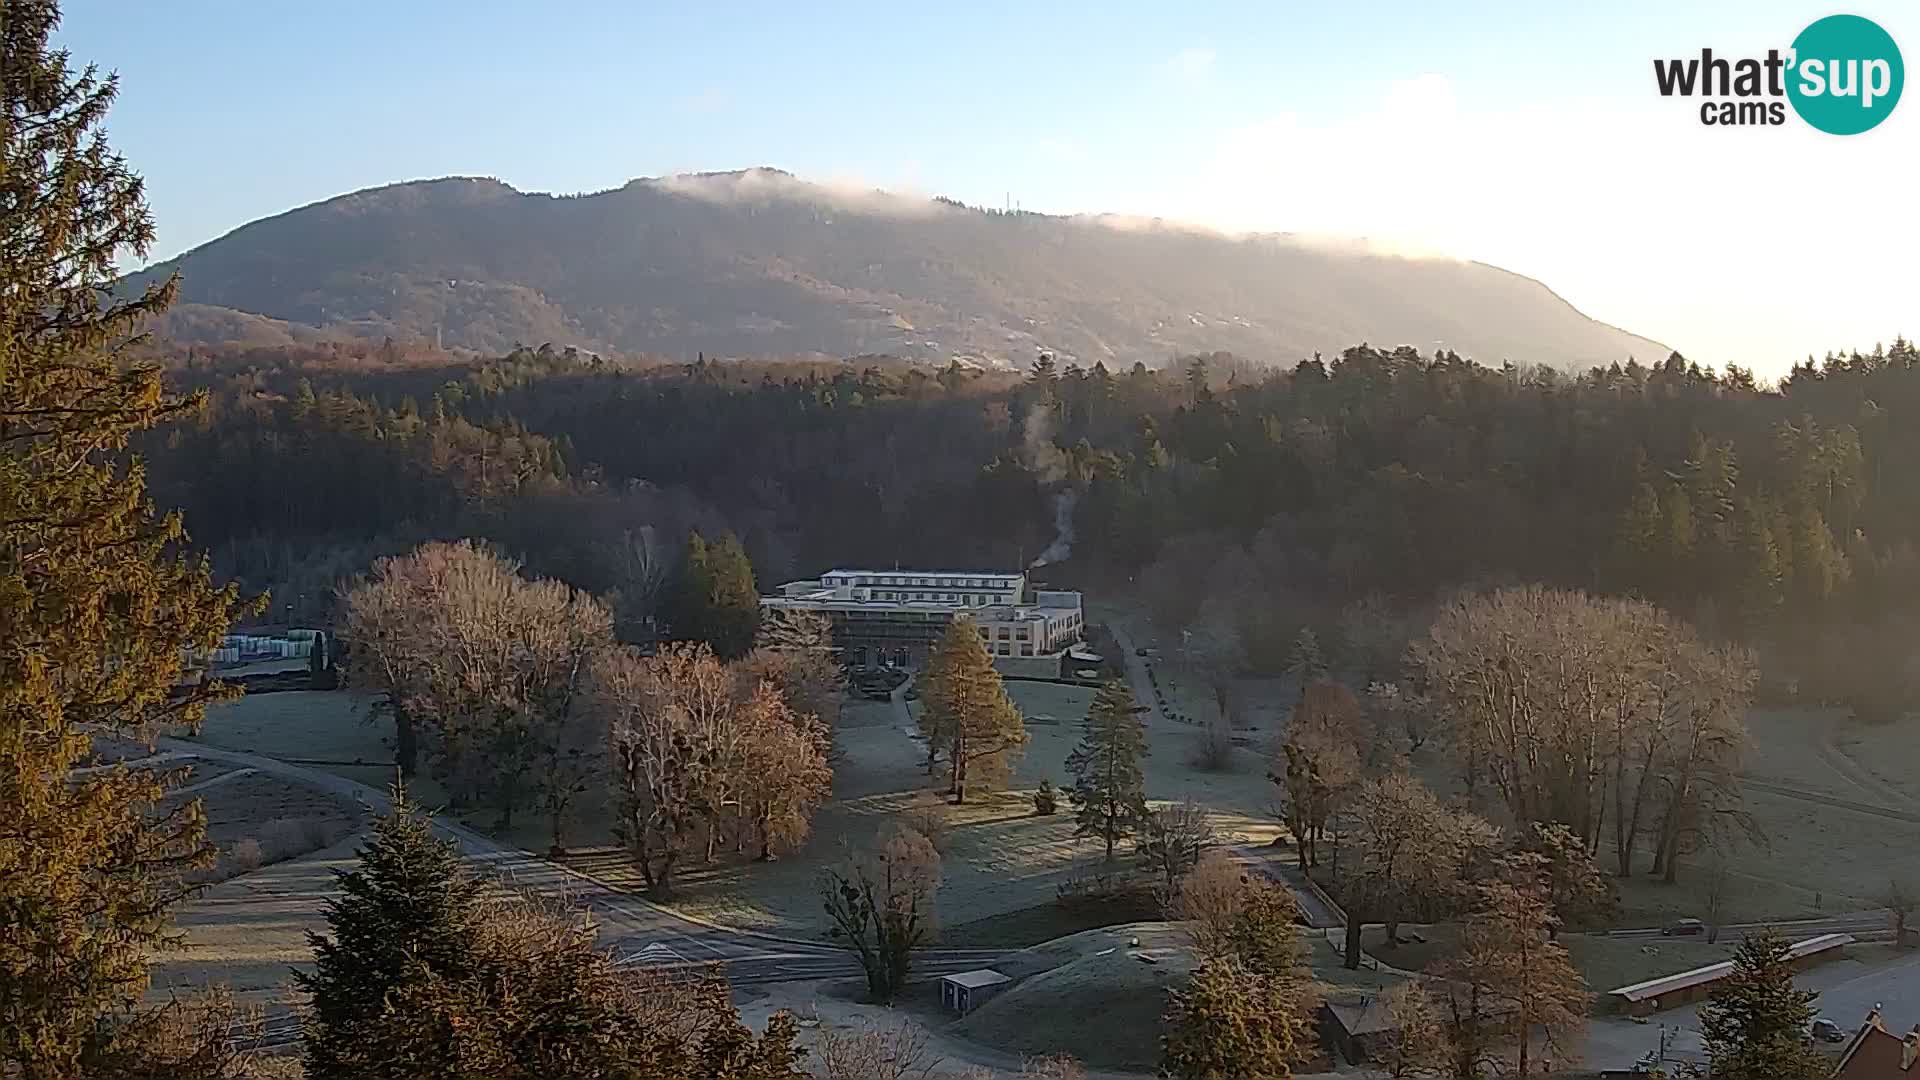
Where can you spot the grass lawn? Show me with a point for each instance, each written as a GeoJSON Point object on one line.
{"type": "Point", "coordinates": [1090, 996]}
{"type": "Point", "coordinates": [1044, 922]}
{"type": "Point", "coordinates": [1610, 963]}
{"type": "Point", "coordinates": [1833, 799]}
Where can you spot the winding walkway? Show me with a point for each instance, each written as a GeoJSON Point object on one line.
{"type": "Point", "coordinates": [643, 932]}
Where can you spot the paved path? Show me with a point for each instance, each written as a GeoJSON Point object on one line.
{"type": "Point", "coordinates": [643, 932]}
{"type": "Point", "coordinates": [1137, 677]}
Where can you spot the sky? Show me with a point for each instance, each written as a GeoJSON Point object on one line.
{"type": "Point", "coordinates": [1527, 135]}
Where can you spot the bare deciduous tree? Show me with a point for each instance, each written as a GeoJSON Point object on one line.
{"type": "Point", "coordinates": [1579, 710]}
{"type": "Point", "coordinates": [1317, 764]}
{"type": "Point", "coordinates": [1716, 881]}
{"type": "Point", "coordinates": [1209, 899]}
{"type": "Point", "coordinates": [662, 715]}
{"type": "Point", "coordinates": [1414, 1046]}
{"type": "Point", "coordinates": [881, 904]}
{"type": "Point", "coordinates": [900, 1052]}
{"type": "Point", "coordinates": [639, 567]}
{"type": "Point", "coordinates": [1510, 990]}
{"type": "Point", "coordinates": [493, 667]}
{"type": "Point", "coordinates": [1170, 841]}
{"type": "Point", "coordinates": [1406, 848]}
{"type": "Point", "coordinates": [1899, 900]}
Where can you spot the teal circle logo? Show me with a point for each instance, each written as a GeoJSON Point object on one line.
{"type": "Point", "coordinates": [1846, 74]}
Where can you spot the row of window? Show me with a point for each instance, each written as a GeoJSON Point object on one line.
{"type": "Point", "coordinates": [951, 598]}
{"type": "Point", "coordinates": [927, 580]}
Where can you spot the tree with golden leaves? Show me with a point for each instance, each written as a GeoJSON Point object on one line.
{"type": "Point", "coordinates": [100, 607]}
{"type": "Point", "coordinates": [967, 715]}
{"type": "Point", "coordinates": [1510, 987]}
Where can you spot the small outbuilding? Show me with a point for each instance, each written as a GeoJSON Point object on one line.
{"type": "Point", "coordinates": [1668, 991]}
{"type": "Point", "coordinates": [967, 990]}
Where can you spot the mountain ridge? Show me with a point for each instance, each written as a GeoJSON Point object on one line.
{"type": "Point", "coordinates": [760, 263]}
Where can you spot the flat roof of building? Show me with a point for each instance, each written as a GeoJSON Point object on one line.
{"type": "Point", "coordinates": [1700, 976]}
{"type": "Point", "coordinates": [842, 572]}
{"type": "Point", "coordinates": [977, 978]}
{"type": "Point", "coordinates": [995, 613]}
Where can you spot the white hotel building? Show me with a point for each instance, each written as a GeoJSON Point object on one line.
{"type": "Point", "coordinates": [895, 616]}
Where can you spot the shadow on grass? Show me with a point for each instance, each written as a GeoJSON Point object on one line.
{"type": "Point", "coordinates": [1044, 922]}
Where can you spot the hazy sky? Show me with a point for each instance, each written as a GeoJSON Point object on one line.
{"type": "Point", "coordinates": [1528, 135]}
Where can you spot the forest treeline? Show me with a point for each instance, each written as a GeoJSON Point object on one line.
{"type": "Point", "coordinates": [1380, 478]}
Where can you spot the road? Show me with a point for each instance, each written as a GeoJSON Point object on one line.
{"type": "Point", "coordinates": [639, 931]}
{"type": "Point", "coordinates": [1846, 993]}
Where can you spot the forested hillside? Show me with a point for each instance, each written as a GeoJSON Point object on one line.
{"type": "Point", "coordinates": [1258, 501]}
{"type": "Point", "coordinates": [761, 264]}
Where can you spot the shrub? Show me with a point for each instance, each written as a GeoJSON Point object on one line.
{"type": "Point", "coordinates": [246, 855]}
{"type": "Point", "coordinates": [1213, 752]}
{"type": "Point", "coordinates": [1046, 800]}
{"type": "Point", "coordinates": [928, 817]}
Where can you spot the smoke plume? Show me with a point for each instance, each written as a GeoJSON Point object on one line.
{"type": "Point", "coordinates": [1050, 465]}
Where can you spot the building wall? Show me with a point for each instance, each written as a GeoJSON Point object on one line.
{"type": "Point", "coordinates": [895, 616]}
{"type": "Point", "coordinates": [1029, 667]}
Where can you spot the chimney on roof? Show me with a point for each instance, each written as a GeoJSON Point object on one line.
{"type": "Point", "coordinates": [1873, 1017]}
{"type": "Point", "coordinates": [1910, 1048]}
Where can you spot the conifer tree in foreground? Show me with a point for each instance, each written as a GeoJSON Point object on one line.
{"type": "Point", "coordinates": [408, 913]}
{"type": "Point", "coordinates": [1756, 1025]}
{"type": "Point", "coordinates": [1108, 792]}
{"type": "Point", "coordinates": [98, 607]}
{"type": "Point", "coordinates": [426, 977]}
{"type": "Point", "coordinates": [966, 713]}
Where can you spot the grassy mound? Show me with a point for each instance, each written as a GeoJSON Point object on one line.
{"type": "Point", "coordinates": [1088, 995]}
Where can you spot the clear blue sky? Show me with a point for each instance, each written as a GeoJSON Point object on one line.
{"type": "Point", "coordinates": [1526, 134]}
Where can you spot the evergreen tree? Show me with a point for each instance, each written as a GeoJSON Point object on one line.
{"type": "Point", "coordinates": [716, 601]}
{"type": "Point", "coordinates": [733, 603]}
{"type": "Point", "coordinates": [1755, 1027]}
{"type": "Point", "coordinates": [1109, 792]}
{"type": "Point", "coordinates": [691, 592]}
{"type": "Point", "coordinates": [424, 978]}
{"type": "Point", "coordinates": [98, 608]}
{"type": "Point", "coordinates": [320, 674]}
{"type": "Point", "coordinates": [966, 713]}
{"type": "Point", "coordinates": [407, 915]}
{"type": "Point", "coordinates": [1234, 1023]}
{"type": "Point", "coordinates": [1305, 662]}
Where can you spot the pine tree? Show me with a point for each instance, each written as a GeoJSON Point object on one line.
{"type": "Point", "coordinates": [98, 608]}
{"type": "Point", "coordinates": [1234, 1023]}
{"type": "Point", "coordinates": [733, 603]}
{"type": "Point", "coordinates": [424, 978]}
{"type": "Point", "coordinates": [407, 916]}
{"type": "Point", "coordinates": [1305, 663]}
{"type": "Point", "coordinates": [1109, 792]}
{"type": "Point", "coordinates": [966, 713]}
{"type": "Point", "coordinates": [716, 601]}
{"type": "Point", "coordinates": [691, 592]}
{"type": "Point", "coordinates": [1755, 1026]}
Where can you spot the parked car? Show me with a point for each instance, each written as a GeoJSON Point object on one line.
{"type": "Point", "coordinates": [1141, 652]}
{"type": "Point", "coordinates": [1683, 928]}
{"type": "Point", "coordinates": [1825, 1030]}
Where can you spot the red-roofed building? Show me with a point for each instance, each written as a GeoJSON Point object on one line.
{"type": "Point", "coordinates": [1875, 1053]}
